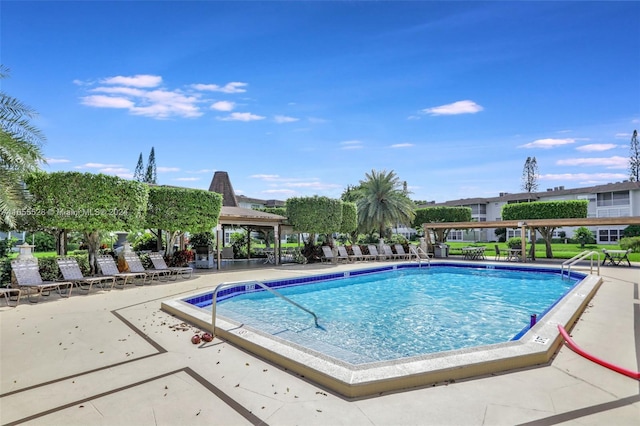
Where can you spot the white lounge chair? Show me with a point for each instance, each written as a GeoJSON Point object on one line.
{"type": "Point", "coordinates": [135, 265]}
{"type": "Point", "coordinates": [400, 252]}
{"type": "Point", "coordinates": [108, 267]}
{"type": "Point", "coordinates": [357, 252]}
{"type": "Point", "coordinates": [28, 279]}
{"type": "Point", "coordinates": [71, 272]}
{"type": "Point", "coordinates": [159, 264]}
{"type": "Point", "coordinates": [373, 251]}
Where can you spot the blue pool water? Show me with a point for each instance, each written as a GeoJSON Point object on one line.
{"type": "Point", "coordinates": [402, 313]}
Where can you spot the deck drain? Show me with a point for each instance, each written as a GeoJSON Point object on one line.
{"type": "Point", "coordinates": [541, 340]}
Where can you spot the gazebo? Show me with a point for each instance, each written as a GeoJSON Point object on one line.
{"type": "Point", "coordinates": [233, 215]}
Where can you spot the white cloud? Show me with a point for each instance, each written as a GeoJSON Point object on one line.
{"type": "Point", "coordinates": [279, 191]}
{"type": "Point", "coordinates": [587, 177]}
{"type": "Point", "coordinates": [265, 177]}
{"type": "Point", "coordinates": [114, 170]}
{"type": "Point", "coordinates": [615, 162]}
{"type": "Point", "coordinates": [233, 87]}
{"type": "Point", "coordinates": [596, 147]}
{"type": "Point", "coordinates": [97, 166]}
{"type": "Point", "coordinates": [402, 145]}
{"type": "Point", "coordinates": [548, 143]}
{"type": "Point", "coordinates": [167, 169]}
{"type": "Point", "coordinates": [187, 179]}
{"type": "Point", "coordinates": [241, 116]}
{"type": "Point", "coordinates": [353, 144]}
{"type": "Point", "coordinates": [459, 107]}
{"type": "Point", "coordinates": [56, 160]}
{"type": "Point", "coordinates": [100, 101]}
{"type": "Point", "coordinates": [623, 135]}
{"type": "Point", "coordinates": [140, 80]}
{"type": "Point", "coordinates": [223, 106]}
{"type": "Point", "coordinates": [284, 119]}
{"type": "Point", "coordinates": [202, 171]}
{"type": "Point", "coordinates": [316, 120]}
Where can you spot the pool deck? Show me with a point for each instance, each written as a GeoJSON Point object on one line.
{"type": "Point", "coordinates": [114, 358]}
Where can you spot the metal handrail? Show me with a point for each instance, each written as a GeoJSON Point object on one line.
{"type": "Point", "coordinates": [260, 284]}
{"type": "Point", "coordinates": [418, 253]}
{"type": "Point", "coordinates": [577, 258]}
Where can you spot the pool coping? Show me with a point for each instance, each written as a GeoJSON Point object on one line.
{"type": "Point", "coordinates": [535, 347]}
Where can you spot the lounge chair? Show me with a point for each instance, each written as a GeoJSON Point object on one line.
{"type": "Point", "coordinates": [7, 292]}
{"type": "Point", "coordinates": [71, 272]}
{"type": "Point", "coordinates": [401, 253]}
{"type": "Point", "coordinates": [29, 280]}
{"type": "Point", "coordinates": [343, 254]}
{"type": "Point", "coordinates": [160, 265]}
{"type": "Point", "coordinates": [357, 253]}
{"type": "Point", "coordinates": [389, 253]}
{"type": "Point", "coordinates": [135, 265]}
{"type": "Point", "coordinates": [373, 251]}
{"type": "Point", "coordinates": [108, 267]}
{"type": "Point", "coordinates": [329, 257]}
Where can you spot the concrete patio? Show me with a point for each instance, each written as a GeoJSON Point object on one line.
{"type": "Point", "coordinates": [113, 358]}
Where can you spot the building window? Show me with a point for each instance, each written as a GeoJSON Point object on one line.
{"type": "Point", "coordinates": [609, 235]}
{"type": "Point", "coordinates": [617, 198]}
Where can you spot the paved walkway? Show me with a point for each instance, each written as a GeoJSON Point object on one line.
{"type": "Point", "coordinates": [113, 358]}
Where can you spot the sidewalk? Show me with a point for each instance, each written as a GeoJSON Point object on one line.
{"type": "Point", "coordinates": [113, 358]}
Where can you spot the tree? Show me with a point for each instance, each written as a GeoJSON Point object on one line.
{"type": "Point", "coordinates": [583, 235]}
{"type": "Point", "coordinates": [349, 223]}
{"type": "Point", "coordinates": [314, 215]}
{"type": "Point", "coordinates": [20, 153]}
{"type": "Point", "coordinates": [530, 175]}
{"type": "Point", "coordinates": [88, 203]}
{"type": "Point", "coordinates": [546, 210]}
{"type": "Point", "coordinates": [383, 202]}
{"type": "Point", "coordinates": [179, 210]}
{"type": "Point", "coordinates": [441, 214]}
{"type": "Point", "coordinates": [151, 176]}
{"type": "Point", "coordinates": [138, 174]}
{"type": "Point", "coordinates": [634, 158]}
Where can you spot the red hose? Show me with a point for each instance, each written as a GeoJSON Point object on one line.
{"type": "Point", "coordinates": [579, 351]}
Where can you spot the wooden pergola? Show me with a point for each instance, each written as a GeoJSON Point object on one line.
{"type": "Point", "coordinates": [533, 224]}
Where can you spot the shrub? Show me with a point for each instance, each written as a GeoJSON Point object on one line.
{"type": "Point", "coordinates": [583, 235]}
{"type": "Point", "coordinates": [5, 272]}
{"type": "Point", "coordinates": [632, 243]}
{"type": "Point", "coordinates": [146, 241]}
{"type": "Point", "coordinates": [632, 231]}
{"type": "Point", "coordinates": [514, 242]}
{"type": "Point", "coordinates": [42, 241]}
{"type": "Point", "coordinates": [181, 258]}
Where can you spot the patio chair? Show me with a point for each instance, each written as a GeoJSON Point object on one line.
{"type": "Point", "coordinates": [357, 253]}
{"type": "Point", "coordinates": [135, 265]}
{"type": "Point", "coordinates": [29, 280]}
{"type": "Point", "coordinates": [108, 267]}
{"type": "Point", "coordinates": [7, 292]}
{"type": "Point", "coordinates": [499, 254]}
{"type": "Point", "coordinates": [159, 265]}
{"type": "Point", "coordinates": [401, 253]}
{"type": "Point", "coordinates": [389, 253]}
{"type": "Point", "coordinates": [329, 257]}
{"type": "Point", "coordinates": [343, 254]}
{"type": "Point", "coordinates": [71, 272]}
{"type": "Point", "coordinates": [373, 251]}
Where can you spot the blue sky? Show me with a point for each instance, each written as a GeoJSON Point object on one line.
{"type": "Point", "coordinates": [304, 98]}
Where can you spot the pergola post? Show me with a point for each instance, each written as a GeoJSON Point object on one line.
{"type": "Point", "coordinates": [276, 243]}
{"type": "Point", "coordinates": [523, 241]}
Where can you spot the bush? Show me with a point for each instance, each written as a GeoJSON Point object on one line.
{"type": "Point", "coordinates": [632, 243]}
{"type": "Point", "coordinates": [632, 231]}
{"type": "Point", "coordinates": [146, 241]}
{"type": "Point", "coordinates": [42, 241]}
{"type": "Point", "coordinates": [5, 272]}
{"type": "Point", "coordinates": [181, 258]}
{"type": "Point", "coordinates": [514, 243]}
{"type": "Point", "coordinates": [584, 236]}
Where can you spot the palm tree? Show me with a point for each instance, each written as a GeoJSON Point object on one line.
{"type": "Point", "coordinates": [20, 153]}
{"type": "Point", "coordinates": [383, 202]}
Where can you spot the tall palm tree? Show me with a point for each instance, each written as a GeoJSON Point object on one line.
{"type": "Point", "coordinates": [20, 153]}
{"type": "Point", "coordinates": [383, 202]}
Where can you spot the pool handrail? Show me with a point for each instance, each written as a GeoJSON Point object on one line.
{"type": "Point", "coordinates": [418, 252]}
{"type": "Point", "coordinates": [577, 258]}
{"type": "Point", "coordinates": [260, 284]}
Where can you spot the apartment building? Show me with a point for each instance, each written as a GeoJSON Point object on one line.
{"type": "Point", "coordinates": [621, 199]}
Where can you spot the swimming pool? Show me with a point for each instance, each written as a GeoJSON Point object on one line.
{"type": "Point", "coordinates": [396, 326]}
